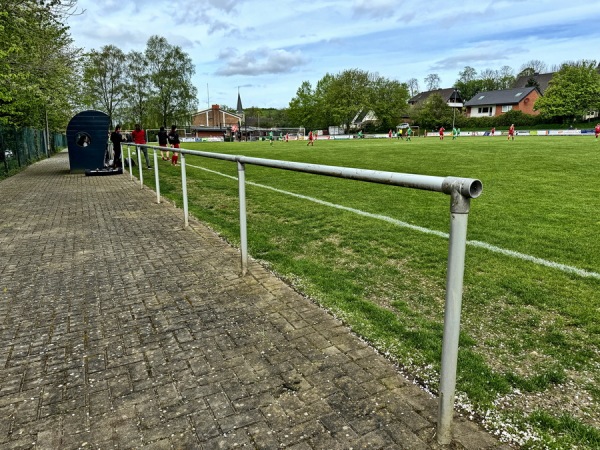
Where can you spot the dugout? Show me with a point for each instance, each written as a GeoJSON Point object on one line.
{"type": "Point", "coordinates": [87, 140]}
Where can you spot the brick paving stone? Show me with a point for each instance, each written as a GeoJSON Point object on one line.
{"type": "Point", "coordinates": [123, 329]}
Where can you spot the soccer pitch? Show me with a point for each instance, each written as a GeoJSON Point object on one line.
{"type": "Point", "coordinates": [376, 256]}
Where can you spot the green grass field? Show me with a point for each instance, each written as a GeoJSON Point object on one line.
{"type": "Point", "coordinates": [529, 361]}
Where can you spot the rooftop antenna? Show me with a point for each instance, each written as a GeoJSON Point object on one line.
{"type": "Point", "coordinates": [207, 97]}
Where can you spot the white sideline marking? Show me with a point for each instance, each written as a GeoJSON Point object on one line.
{"type": "Point", "coordinates": [492, 248]}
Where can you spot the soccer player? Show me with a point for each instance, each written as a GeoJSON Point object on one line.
{"type": "Point", "coordinates": [442, 129]}
{"type": "Point", "coordinates": [597, 130]}
{"type": "Point", "coordinates": [409, 133]}
{"type": "Point", "coordinates": [511, 132]}
{"type": "Point", "coordinates": [310, 139]}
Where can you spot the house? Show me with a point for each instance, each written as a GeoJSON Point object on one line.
{"type": "Point", "coordinates": [362, 118]}
{"type": "Point", "coordinates": [215, 117]}
{"type": "Point", "coordinates": [539, 80]}
{"type": "Point", "coordinates": [450, 96]}
{"type": "Point", "coordinates": [496, 103]}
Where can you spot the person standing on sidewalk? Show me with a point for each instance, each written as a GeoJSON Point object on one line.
{"type": "Point", "coordinates": [139, 137]}
{"type": "Point", "coordinates": [174, 141]}
{"type": "Point", "coordinates": [116, 138]}
{"type": "Point", "coordinates": [163, 141]}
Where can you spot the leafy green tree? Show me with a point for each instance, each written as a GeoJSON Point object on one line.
{"type": "Point", "coordinates": [348, 94]}
{"type": "Point", "coordinates": [390, 102]}
{"type": "Point", "coordinates": [337, 99]}
{"type": "Point", "coordinates": [105, 79]}
{"type": "Point", "coordinates": [138, 88]}
{"type": "Point", "coordinates": [572, 93]}
{"type": "Point", "coordinates": [434, 112]}
{"type": "Point", "coordinates": [37, 63]}
{"type": "Point", "coordinates": [468, 83]}
{"type": "Point", "coordinates": [325, 100]}
{"type": "Point", "coordinates": [173, 94]}
{"type": "Point", "coordinates": [303, 107]}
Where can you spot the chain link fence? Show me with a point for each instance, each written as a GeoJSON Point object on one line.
{"type": "Point", "coordinates": [20, 147]}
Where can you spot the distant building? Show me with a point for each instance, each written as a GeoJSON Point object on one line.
{"type": "Point", "coordinates": [538, 80]}
{"type": "Point", "coordinates": [496, 103]}
{"type": "Point", "coordinates": [215, 117]}
{"type": "Point", "coordinates": [450, 96]}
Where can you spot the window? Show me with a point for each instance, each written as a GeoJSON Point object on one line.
{"type": "Point", "coordinates": [484, 110]}
{"type": "Point", "coordinates": [506, 108]}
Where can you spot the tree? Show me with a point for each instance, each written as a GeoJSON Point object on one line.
{"type": "Point", "coordinates": [390, 102]}
{"type": "Point", "coordinates": [572, 93]}
{"type": "Point", "coordinates": [324, 102]}
{"type": "Point", "coordinates": [139, 87]}
{"type": "Point", "coordinates": [413, 87]}
{"type": "Point", "coordinates": [349, 93]}
{"type": "Point", "coordinates": [506, 77]}
{"type": "Point", "coordinates": [532, 67]}
{"type": "Point", "coordinates": [37, 63]}
{"type": "Point", "coordinates": [468, 84]}
{"type": "Point", "coordinates": [432, 81]}
{"type": "Point", "coordinates": [489, 80]}
{"type": "Point", "coordinates": [302, 108]}
{"type": "Point", "coordinates": [105, 79]}
{"type": "Point", "coordinates": [171, 70]}
{"type": "Point", "coordinates": [434, 112]}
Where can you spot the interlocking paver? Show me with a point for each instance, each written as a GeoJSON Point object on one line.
{"type": "Point", "coordinates": [120, 328]}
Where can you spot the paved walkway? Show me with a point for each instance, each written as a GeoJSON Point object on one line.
{"type": "Point", "coordinates": [121, 329]}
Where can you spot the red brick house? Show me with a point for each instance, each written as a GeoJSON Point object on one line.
{"type": "Point", "coordinates": [496, 103]}
{"type": "Point", "coordinates": [215, 117]}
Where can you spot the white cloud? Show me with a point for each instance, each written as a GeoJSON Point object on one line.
{"type": "Point", "coordinates": [274, 46]}
{"type": "Point", "coordinates": [259, 62]}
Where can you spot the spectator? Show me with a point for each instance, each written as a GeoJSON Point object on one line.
{"type": "Point", "coordinates": [139, 138]}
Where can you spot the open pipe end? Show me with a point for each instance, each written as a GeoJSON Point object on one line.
{"type": "Point", "coordinates": [467, 187]}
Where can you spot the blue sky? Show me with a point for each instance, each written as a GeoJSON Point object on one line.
{"type": "Point", "coordinates": [267, 48]}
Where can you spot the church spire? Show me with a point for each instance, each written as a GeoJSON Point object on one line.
{"type": "Point", "coordinates": [240, 110]}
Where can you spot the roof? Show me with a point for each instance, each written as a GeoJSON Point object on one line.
{"type": "Point", "coordinates": [447, 94]}
{"type": "Point", "coordinates": [541, 80]}
{"type": "Point", "coordinates": [503, 97]}
{"type": "Point", "coordinates": [220, 111]}
{"type": "Point", "coordinates": [240, 109]}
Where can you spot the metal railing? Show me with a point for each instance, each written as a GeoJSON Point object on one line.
{"type": "Point", "coordinates": [460, 190]}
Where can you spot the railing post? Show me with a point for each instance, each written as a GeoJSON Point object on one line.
{"type": "Point", "coordinates": [243, 221]}
{"type": "Point", "coordinates": [139, 155]}
{"type": "Point", "coordinates": [459, 214]}
{"type": "Point", "coordinates": [184, 190]}
{"type": "Point", "coordinates": [156, 181]}
{"type": "Point", "coordinates": [129, 162]}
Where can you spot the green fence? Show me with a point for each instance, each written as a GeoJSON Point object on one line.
{"type": "Point", "coordinates": [20, 147]}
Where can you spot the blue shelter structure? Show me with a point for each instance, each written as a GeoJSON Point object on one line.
{"type": "Point", "coordinates": [87, 139]}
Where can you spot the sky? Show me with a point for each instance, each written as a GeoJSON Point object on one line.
{"type": "Point", "coordinates": [266, 49]}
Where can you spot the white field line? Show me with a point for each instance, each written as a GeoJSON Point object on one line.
{"type": "Point", "coordinates": [492, 248]}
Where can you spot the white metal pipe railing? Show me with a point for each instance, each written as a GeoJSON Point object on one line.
{"type": "Point", "coordinates": [156, 178]}
{"type": "Point", "coordinates": [460, 190]}
{"type": "Point", "coordinates": [139, 156]}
